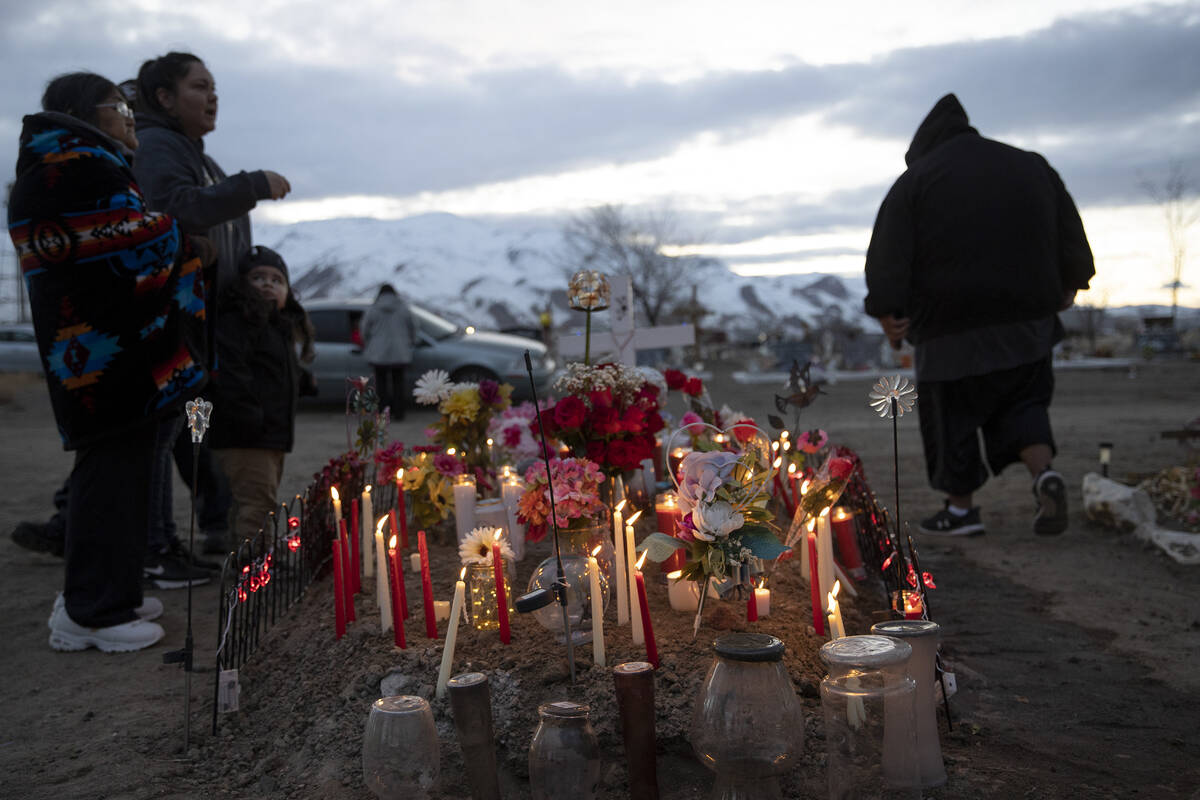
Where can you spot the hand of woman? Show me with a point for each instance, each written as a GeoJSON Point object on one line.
{"type": "Point", "coordinates": [279, 184]}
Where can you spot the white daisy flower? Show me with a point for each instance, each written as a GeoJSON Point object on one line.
{"type": "Point", "coordinates": [433, 387]}
{"type": "Point", "coordinates": [476, 547]}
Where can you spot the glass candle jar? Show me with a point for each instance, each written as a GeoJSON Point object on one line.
{"type": "Point", "coordinates": [922, 635]}
{"type": "Point", "coordinates": [564, 756]}
{"type": "Point", "coordinates": [870, 749]}
{"type": "Point", "coordinates": [482, 608]}
{"type": "Point", "coordinates": [400, 754]}
{"type": "Point", "coordinates": [747, 725]}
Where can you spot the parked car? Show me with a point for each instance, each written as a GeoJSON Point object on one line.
{"type": "Point", "coordinates": [18, 348]}
{"type": "Point", "coordinates": [466, 354]}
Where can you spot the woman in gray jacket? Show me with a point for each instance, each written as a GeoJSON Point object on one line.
{"type": "Point", "coordinates": [388, 337]}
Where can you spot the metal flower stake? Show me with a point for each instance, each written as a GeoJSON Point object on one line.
{"type": "Point", "coordinates": [199, 412]}
{"type": "Point", "coordinates": [588, 291]}
{"type": "Point", "coordinates": [539, 598]}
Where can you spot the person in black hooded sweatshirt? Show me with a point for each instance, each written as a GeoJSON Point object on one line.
{"type": "Point", "coordinates": [975, 249]}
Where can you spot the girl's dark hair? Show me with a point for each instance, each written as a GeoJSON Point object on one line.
{"type": "Point", "coordinates": [240, 297]}
{"type": "Point", "coordinates": [77, 94]}
{"type": "Point", "coordinates": [164, 72]}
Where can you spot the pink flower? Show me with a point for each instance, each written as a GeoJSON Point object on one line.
{"type": "Point", "coordinates": [812, 441]}
{"type": "Point", "coordinates": [693, 422]}
{"type": "Point", "coordinates": [447, 465]}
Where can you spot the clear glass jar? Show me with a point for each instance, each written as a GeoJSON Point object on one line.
{"type": "Point", "coordinates": [870, 747]}
{"type": "Point", "coordinates": [400, 756]}
{"type": "Point", "coordinates": [747, 725]}
{"type": "Point", "coordinates": [564, 756]}
{"type": "Point", "coordinates": [576, 546]}
{"type": "Point", "coordinates": [482, 608]}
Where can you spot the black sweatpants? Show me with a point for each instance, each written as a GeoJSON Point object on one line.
{"type": "Point", "coordinates": [108, 516]}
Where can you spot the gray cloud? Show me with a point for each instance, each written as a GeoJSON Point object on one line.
{"type": "Point", "coordinates": [1112, 87]}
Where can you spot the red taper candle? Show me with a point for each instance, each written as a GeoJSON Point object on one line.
{"type": "Point", "coordinates": [814, 581]}
{"type": "Point", "coordinates": [347, 584]}
{"type": "Point", "coordinates": [399, 607]}
{"type": "Point", "coordinates": [339, 598]}
{"type": "Point", "coordinates": [501, 595]}
{"type": "Point", "coordinates": [426, 587]}
{"type": "Point", "coordinates": [647, 628]}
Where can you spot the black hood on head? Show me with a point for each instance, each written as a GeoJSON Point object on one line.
{"type": "Point", "coordinates": [945, 120]}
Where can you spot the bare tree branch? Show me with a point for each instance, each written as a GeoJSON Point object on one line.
{"type": "Point", "coordinates": [1177, 196]}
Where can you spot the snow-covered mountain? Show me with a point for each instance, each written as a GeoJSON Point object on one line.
{"type": "Point", "coordinates": [502, 274]}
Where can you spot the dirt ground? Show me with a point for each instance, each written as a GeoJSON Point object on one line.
{"type": "Point", "coordinates": [1075, 656]}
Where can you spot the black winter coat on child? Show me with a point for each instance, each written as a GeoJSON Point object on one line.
{"type": "Point", "coordinates": [257, 383]}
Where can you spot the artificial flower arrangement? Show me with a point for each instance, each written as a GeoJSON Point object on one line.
{"type": "Point", "coordinates": [609, 414]}
{"type": "Point", "coordinates": [577, 501]}
{"type": "Point", "coordinates": [726, 520]}
{"type": "Point", "coordinates": [466, 411]}
{"type": "Point", "coordinates": [512, 432]}
{"type": "Point", "coordinates": [429, 479]}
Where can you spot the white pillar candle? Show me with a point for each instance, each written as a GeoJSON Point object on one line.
{"type": "Point", "coordinates": [383, 592]}
{"type": "Point", "coordinates": [762, 601]}
{"type": "Point", "coordinates": [414, 563]}
{"type": "Point", "coordinates": [464, 505]}
{"type": "Point", "coordinates": [683, 595]}
{"type": "Point", "coordinates": [824, 555]}
{"type": "Point", "coordinates": [441, 610]}
{"type": "Point", "coordinates": [622, 583]}
{"type": "Point", "coordinates": [460, 590]}
{"type": "Point", "coordinates": [597, 610]}
{"type": "Point", "coordinates": [510, 493]}
{"type": "Point", "coordinates": [364, 535]}
{"type": "Point", "coordinates": [635, 616]}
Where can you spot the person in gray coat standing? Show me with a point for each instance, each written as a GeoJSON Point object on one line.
{"type": "Point", "coordinates": [388, 337]}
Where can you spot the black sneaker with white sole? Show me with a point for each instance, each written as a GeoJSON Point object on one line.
{"type": "Point", "coordinates": [1051, 492]}
{"type": "Point", "coordinates": [945, 523]}
{"type": "Point", "coordinates": [166, 571]}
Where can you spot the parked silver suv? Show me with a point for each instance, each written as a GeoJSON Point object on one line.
{"type": "Point", "coordinates": [467, 355]}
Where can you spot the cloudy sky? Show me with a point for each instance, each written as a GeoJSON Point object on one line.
{"type": "Point", "coordinates": [771, 129]}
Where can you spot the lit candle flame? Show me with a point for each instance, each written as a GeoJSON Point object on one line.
{"type": "Point", "coordinates": [674, 576]}
{"type": "Point", "coordinates": [379, 525]}
{"type": "Point", "coordinates": [450, 451]}
{"type": "Point", "coordinates": [392, 543]}
{"type": "Point", "coordinates": [333, 491]}
{"type": "Point", "coordinates": [778, 461]}
{"type": "Point", "coordinates": [633, 518]}
{"type": "Point", "coordinates": [774, 446]}
{"type": "Point", "coordinates": [641, 560]}
{"type": "Point", "coordinates": [367, 489]}
{"type": "Point", "coordinates": [825, 511]}
{"type": "Point", "coordinates": [791, 469]}
{"type": "Point", "coordinates": [400, 474]}
{"type": "Point", "coordinates": [841, 514]}
{"type": "Point", "coordinates": [804, 487]}
{"type": "Point", "coordinates": [783, 435]}
{"type": "Point", "coordinates": [462, 574]}
{"type": "Point", "coordinates": [596, 550]}
{"type": "Point", "coordinates": [837, 587]}
{"type": "Point", "coordinates": [812, 524]}
{"type": "Point", "coordinates": [496, 536]}
{"type": "Point", "coordinates": [621, 505]}
{"type": "Point", "coordinates": [490, 442]}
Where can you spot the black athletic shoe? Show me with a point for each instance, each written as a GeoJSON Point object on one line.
{"type": "Point", "coordinates": [944, 523]}
{"type": "Point", "coordinates": [165, 571]}
{"type": "Point", "coordinates": [1051, 492]}
{"type": "Point", "coordinates": [38, 537]}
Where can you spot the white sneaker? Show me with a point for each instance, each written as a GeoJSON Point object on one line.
{"type": "Point", "coordinates": [67, 635]}
{"type": "Point", "coordinates": [151, 608]}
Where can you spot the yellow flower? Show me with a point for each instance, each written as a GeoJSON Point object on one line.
{"type": "Point", "coordinates": [462, 406]}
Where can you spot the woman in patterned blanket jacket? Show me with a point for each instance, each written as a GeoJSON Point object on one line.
{"type": "Point", "coordinates": [117, 296]}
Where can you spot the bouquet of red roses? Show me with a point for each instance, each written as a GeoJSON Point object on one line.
{"type": "Point", "coordinates": [608, 414]}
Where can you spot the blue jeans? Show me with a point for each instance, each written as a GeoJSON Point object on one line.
{"type": "Point", "coordinates": [161, 533]}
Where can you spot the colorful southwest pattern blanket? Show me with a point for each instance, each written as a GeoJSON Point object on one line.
{"type": "Point", "coordinates": [118, 296]}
